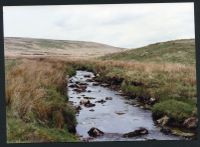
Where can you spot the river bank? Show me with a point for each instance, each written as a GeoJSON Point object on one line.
{"type": "Point", "coordinates": [110, 112]}
{"type": "Point", "coordinates": [37, 107]}
{"type": "Point", "coordinates": [38, 88]}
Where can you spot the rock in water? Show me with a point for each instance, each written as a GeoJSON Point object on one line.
{"type": "Point", "coordinates": [100, 101]}
{"type": "Point", "coordinates": [94, 132]}
{"type": "Point", "coordinates": [139, 132]}
{"type": "Point", "coordinates": [84, 101]}
{"type": "Point", "coordinates": [166, 130]}
{"type": "Point", "coordinates": [108, 98]}
{"type": "Point", "coordinates": [89, 105]}
{"type": "Point", "coordinates": [191, 123]}
{"type": "Point", "coordinates": [87, 76]}
{"type": "Point", "coordinates": [78, 108]}
{"type": "Point", "coordinates": [95, 84]}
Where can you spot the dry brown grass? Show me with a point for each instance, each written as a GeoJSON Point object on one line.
{"type": "Point", "coordinates": [36, 93]}
{"type": "Point", "coordinates": [26, 84]}
{"type": "Point", "coordinates": [187, 73]}
{"type": "Point", "coordinates": [34, 90]}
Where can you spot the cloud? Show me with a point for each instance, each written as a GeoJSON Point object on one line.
{"type": "Point", "coordinates": [123, 25]}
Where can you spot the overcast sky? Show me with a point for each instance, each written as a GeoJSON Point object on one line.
{"type": "Point", "coordinates": [122, 25]}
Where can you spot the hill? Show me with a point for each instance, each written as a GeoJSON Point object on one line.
{"type": "Point", "coordinates": [176, 51]}
{"type": "Point", "coordinates": [47, 47]}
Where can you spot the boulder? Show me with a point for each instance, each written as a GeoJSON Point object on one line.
{"type": "Point", "coordinates": [100, 101]}
{"type": "Point", "coordinates": [77, 82]}
{"type": "Point", "coordinates": [78, 108]}
{"type": "Point", "coordinates": [94, 132]}
{"type": "Point", "coordinates": [119, 113]}
{"type": "Point", "coordinates": [72, 85]}
{"type": "Point", "coordinates": [105, 85]}
{"type": "Point", "coordinates": [89, 105]}
{"type": "Point", "coordinates": [83, 84]}
{"type": "Point", "coordinates": [190, 123]}
{"type": "Point", "coordinates": [90, 80]}
{"type": "Point", "coordinates": [88, 98]}
{"type": "Point", "coordinates": [108, 98]}
{"type": "Point", "coordinates": [87, 76]}
{"type": "Point", "coordinates": [152, 101]}
{"type": "Point", "coordinates": [139, 132]}
{"type": "Point", "coordinates": [95, 84]}
{"type": "Point", "coordinates": [166, 130]}
{"type": "Point", "coordinates": [163, 121]}
{"type": "Point", "coordinates": [84, 101]}
{"type": "Point", "coordinates": [79, 90]}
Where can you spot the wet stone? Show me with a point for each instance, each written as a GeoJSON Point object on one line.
{"type": "Point", "coordinates": [139, 132]}
{"type": "Point", "coordinates": [88, 98]}
{"type": "Point", "coordinates": [119, 113]}
{"type": "Point", "coordinates": [95, 84]}
{"type": "Point", "coordinates": [108, 98]}
{"type": "Point", "coordinates": [88, 105]}
{"type": "Point", "coordinates": [94, 132]}
{"type": "Point", "coordinates": [87, 76]}
{"type": "Point", "coordinates": [100, 101]}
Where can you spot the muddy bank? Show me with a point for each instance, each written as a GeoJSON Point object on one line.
{"type": "Point", "coordinates": [108, 110]}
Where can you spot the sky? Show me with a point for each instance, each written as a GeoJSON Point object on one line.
{"type": "Point", "coordinates": [121, 25]}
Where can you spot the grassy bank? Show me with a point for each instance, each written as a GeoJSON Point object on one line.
{"type": "Point", "coordinates": [37, 108]}
{"type": "Point", "coordinates": [37, 102]}
{"type": "Point", "coordinates": [171, 86]}
{"type": "Point", "coordinates": [162, 71]}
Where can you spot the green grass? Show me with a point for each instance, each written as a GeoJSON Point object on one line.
{"type": "Point", "coordinates": [37, 102]}
{"type": "Point", "coordinates": [173, 85]}
{"type": "Point", "coordinates": [19, 131]}
{"type": "Point", "coordinates": [178, 51]}
{"type": "Point", "coordinates": [176, 110]}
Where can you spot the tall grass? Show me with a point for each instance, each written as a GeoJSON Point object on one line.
{"type": "Point", "coordinates": [36, 95]}
{"type": "Point", "coordinates": [142, 80]}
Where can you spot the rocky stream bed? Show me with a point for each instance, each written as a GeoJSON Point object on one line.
{"type": "Point", "coordinates": [106, 115]}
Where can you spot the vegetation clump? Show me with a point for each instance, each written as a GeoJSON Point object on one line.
{"type": "Point", "coordinates": [37, 103]}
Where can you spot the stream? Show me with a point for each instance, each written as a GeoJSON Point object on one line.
{"type": "Point", "coordinates": [114, 116]}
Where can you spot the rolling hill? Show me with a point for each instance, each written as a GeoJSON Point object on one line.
{"type": "Point", "coordinates": [25, 47]}
{"type": "Point", "coordinates": [176, 51]}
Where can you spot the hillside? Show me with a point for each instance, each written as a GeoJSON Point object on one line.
{"type": "Point", "coordinates": [18, 47]}
{"type": "Point", "coordinates": [176, 51]}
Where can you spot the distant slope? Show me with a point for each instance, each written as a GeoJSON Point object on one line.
{"type": "Point", "coordinates": [176, 51]}
{"type": "Point", "coordinates": [48, 47]}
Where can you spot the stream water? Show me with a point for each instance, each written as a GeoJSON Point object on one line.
{"type": "Point", "coordinates": [114, 117]}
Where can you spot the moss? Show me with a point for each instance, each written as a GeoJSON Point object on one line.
{"type": "Point", "coordinates": [176, 110]}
